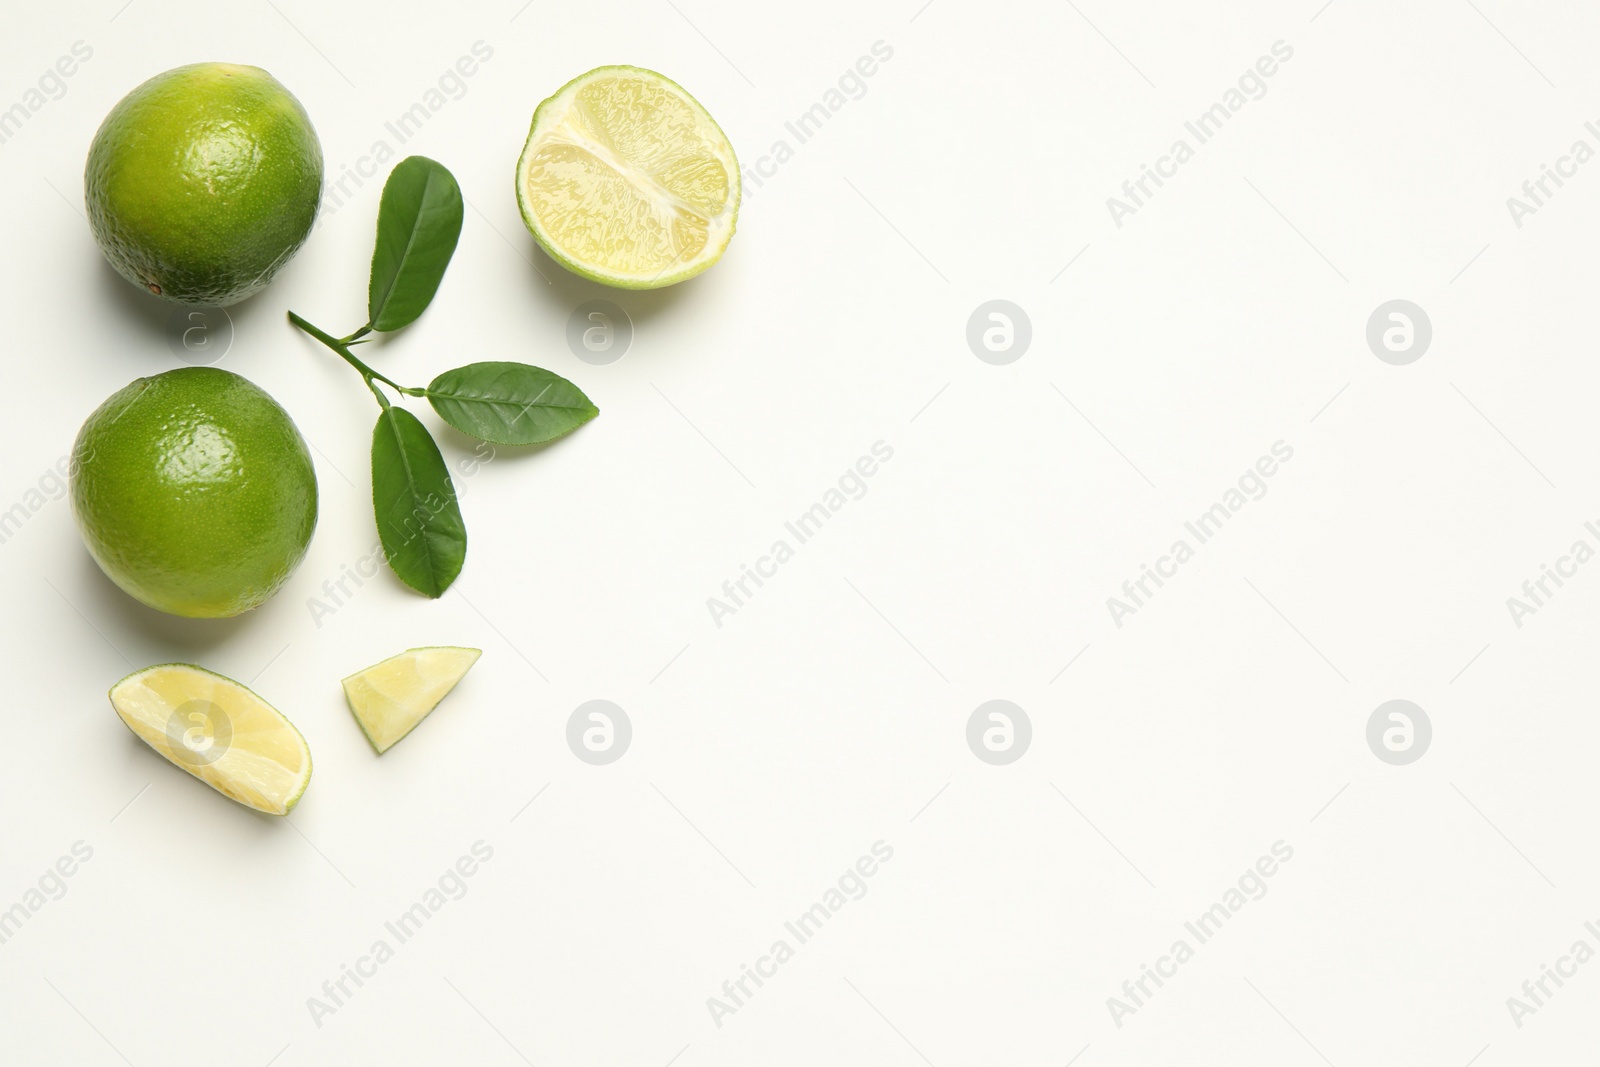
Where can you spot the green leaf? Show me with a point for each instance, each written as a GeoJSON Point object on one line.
{"type": "Point", "coordinates": [419, 222]}
{"type": "Point", "coordinates": [419, 521]}
{"type": "Point", "coordinates": [509, 403]}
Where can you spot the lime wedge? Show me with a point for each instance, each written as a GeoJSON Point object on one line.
{"type": "Point", "coordinates": [218, 731]}
{"type": "Point", "coordinates": [626, 180]}
{"type": "Point", "coordinates": [392, 697]}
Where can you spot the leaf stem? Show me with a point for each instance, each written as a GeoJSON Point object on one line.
{"type": "Point", "coordinates": [341, 346]}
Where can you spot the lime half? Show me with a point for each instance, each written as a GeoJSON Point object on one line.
{"type": "Point", "coordinates": [626, 180]}
{"type": "Point", "coordinates": [218, 731]}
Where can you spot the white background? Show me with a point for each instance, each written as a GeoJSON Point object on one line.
{"type": "Point", "coordinates": [830, 712]}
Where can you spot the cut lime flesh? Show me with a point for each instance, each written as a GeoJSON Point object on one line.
{"type": "Point", "coordinates": [218, 731]}
{"type": "Point", "coordinates": [390, 698]}
{"type": "Point", "coordinates": [625, 179]}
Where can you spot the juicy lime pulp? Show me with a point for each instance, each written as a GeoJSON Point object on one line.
{"type": "Point", "coordinates": [389, 699]}
{"type": "Point", "coordinates": [204, 181]}
{"type": "Point", "coordinates": [627, 180]}
{"type": "Point", "coordinates": [218, 731]}
{"type": "Point", "coordinates": [194, 492]}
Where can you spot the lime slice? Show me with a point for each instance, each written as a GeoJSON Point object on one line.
{"type": "Point", "coordinates": [392, 697]}
{"type": "Point", "coordinates": [627, 180]}
{"type": "Point", "coordinates": [218, 731]}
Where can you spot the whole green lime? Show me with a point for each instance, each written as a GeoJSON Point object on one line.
{"type": "Point", "coordinates": [203, 182]}
{"type": "Point", "coordinates": [194, 492]}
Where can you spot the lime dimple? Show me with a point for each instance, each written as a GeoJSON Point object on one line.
{"type": "Point", "coordinates": [194, 492]}
{"type": "Point", "coordinates": [203, 182]}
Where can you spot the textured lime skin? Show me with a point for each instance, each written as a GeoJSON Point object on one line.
{"type": "Point", "coordinates": [203, 182]}
{"type": "Point", "coordinates": [194, 492]}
